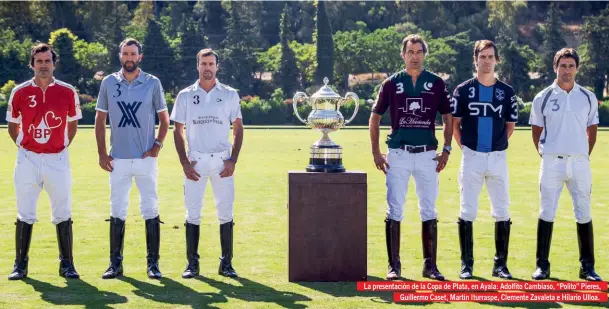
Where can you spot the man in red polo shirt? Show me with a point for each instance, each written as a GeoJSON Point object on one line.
{"type": "Point", "coordinates": [42, 120]}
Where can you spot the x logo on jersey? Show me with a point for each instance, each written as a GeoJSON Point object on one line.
{"type": "Point", "coordinates": [129, 110]}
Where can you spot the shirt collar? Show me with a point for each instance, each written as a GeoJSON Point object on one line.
{"type": "Point", "coordinates": [558, 90]}
{"type": "Point", "coordinates": [141, 77]}
{"type": "Point", "coordinates": [51, 84]}
{"type": "Point", "coordinates": [218, 86]}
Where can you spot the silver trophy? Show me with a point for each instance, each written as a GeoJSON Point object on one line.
{"type": "Point", "coordinates": [326, 155]}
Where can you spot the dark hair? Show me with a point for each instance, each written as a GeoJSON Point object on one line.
{"type": "Point", "coordinates": [413, 39]}
{"type": "Point", "coordinates": [206, 52]}
{"type": "Point", "coordinates": [566, 53]}
{"type": "Point", "coordinates": [42, 48]}
{"type": "Point", "coordinates": [482, 45]}
{"type": "Point", "coordinates": [130, 42]}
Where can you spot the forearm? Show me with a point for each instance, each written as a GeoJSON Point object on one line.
{"type": "Point", "coordinates": [180, 143]}
{"type": "Point", "coordinates": [13, 131]}
{"type": "Point", "coordinates": [72, 128]}
{"type": "Point", "coordinates": [536, 133]}
{"type": "Point", "coordinates": [163, 126]}
{"type": "Point", "coordinates": [447, 120]}
{"type": "Point", "coordinates": [100, 135]}
{"type": "Point", "coordinates": [457, 134]}
{"type": "Point", "coordinates": [237, 142]}
{"type": "Point", "coordinates": [510, 126]}
{"type": "Point", "coordinates": [592, 130]}
{"type": "Point", "coordinates": [374, 128]}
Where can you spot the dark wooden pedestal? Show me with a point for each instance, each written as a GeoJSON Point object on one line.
{"type": "Point", "coordinates": [327, 226]}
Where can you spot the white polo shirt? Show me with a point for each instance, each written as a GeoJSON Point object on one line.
{"type": "Point", "coordinates": [207, 116]}
{"type": "Point", "coordinates": [564, 118]}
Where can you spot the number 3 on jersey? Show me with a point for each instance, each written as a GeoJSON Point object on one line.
{"type": "Point", "coordinates": [400, 88]}
{"type": "Point", "coordinates": [472, 92]}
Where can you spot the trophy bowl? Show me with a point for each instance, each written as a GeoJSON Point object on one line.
{"type": "Point", "coordinates": [325, 117]}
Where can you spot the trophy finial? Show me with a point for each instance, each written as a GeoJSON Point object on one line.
{"type": "Point", "coordinates": [326, 81]}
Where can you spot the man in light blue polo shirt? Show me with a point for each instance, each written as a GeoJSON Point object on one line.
{"type": "Point", "coordinates": [131, 98]}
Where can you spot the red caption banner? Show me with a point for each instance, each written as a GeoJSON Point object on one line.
{"type": "Point", "coordinates": [506, 297]}
{"type": "Point", "coordinates": [547, 286]}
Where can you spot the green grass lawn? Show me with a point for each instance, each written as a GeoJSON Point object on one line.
{"type": "Point", "coordinates": [261, 231]}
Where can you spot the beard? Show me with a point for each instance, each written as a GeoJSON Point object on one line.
{"type": "Point", "coordinates": [132, 68]}
{"type": "Point", "coordinates": [208, 75]}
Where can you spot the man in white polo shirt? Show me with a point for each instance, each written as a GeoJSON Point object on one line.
{"type": "Point", "coordinates": [207, 108]}
{"type": "Point", "coordinates": [564, 119]}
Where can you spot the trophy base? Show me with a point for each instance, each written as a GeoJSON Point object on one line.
{"type": "Point", "coordinates": [326, 159]}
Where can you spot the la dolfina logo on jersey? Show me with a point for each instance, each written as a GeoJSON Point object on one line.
{"type": "Point", "coordinates": [42, 132]}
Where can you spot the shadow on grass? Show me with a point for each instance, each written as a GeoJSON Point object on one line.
{"type": "Point", "coordinates": [252, 291]}
{"type": "Point", "coordinates": [77, 292]}
{"type": "Point", "coordinates": [174, 293]}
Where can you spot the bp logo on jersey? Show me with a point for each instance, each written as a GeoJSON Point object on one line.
{"type": "Point", "coordinates": [499, 94]}
{"type": "Point", "coordinates": [129, 111]}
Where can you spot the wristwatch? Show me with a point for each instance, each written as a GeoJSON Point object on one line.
{"type": "Point", "coordinates": [447, 149]}
{"type": "Point", "coordinates": [158, 143]}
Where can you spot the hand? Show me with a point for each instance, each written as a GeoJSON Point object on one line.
{"type": "Point", "coordinates": [442, 159]}
{"type": "Point", "coordinates": [229, 168]}
{"type": "Point", "coordinates": [105, 161]}
{"type": "Point", "coordinates": [380, 160]}
{"type": "Point", "coordinates": [189, 171]}
{"type": "Point", "coordinates": [153, 152]}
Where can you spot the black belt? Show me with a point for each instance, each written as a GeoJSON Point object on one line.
{"type": "Point", "coordinates": [418, 149]}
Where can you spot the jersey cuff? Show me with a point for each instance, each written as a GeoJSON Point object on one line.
{"type": "Point", "coordinates": [178, 121]}
{"type": "Point", "coordinates": [161, 110]}
{"type": "Point", "coordinates": [377, 113]}
{"type": "Point", "coordinates": [101, 110]}
{"type": "Point", "coordinates": [13, 120]}
{"type": "Point", "coordinates": [512, 121]}
{"type": "Point", "coordinates": [77, 117]}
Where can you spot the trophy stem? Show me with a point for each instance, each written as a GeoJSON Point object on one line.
{"type": "Point", "coordinates": [325, 141]}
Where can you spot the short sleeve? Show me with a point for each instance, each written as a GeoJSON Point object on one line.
{"type": "Point", "coordinates": [235, 111]}
{"type": "Point", "coordinates": [178, 113]}
{"type": "Point", "coordinates": [593, 118]}
{"type": "Point", "coordinates": [102, 97]}
{"type": "Point", "coordinates": [512, 110]}
{"type": "Point", "coordinates": [158, 98]}
{"type": "Point", "coordinates": [458, 103]}
{"type": "Point", "coordinates": [536, 117]}
{"type": "Point", "coordinates": [74, 112]}
{"type": "Point", "coordinates": [444, 107]}
{"type": "Point", "coordinates": [13, 110]}
{"type": "Point", "coordinates": [383, 98]}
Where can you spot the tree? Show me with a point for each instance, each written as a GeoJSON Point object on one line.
{"type": "Point", "coordinates": [67, 68]}
{"type": "Point", "coordinates": [212, 17]}
{"type": "Point", "coordinates": [158, 57]}
{"type": "Point", "coordinates": [552, 42]}
{"type": "Point", "coordinates": [238, 62]}
{"type": "Point", "coordinates": [140, 21]}
{"type": "Point", "coordinates": [325, 46]}
{"type": "Point", "coordinates": [463, 67]}
{"type": "Point", "coordinates": [596, 37]}
{"type": "Point", "coordinates": [191, 41]}
{"type": "Point", "coordinates": [514, 65]}
{"type": "Point", "coordinates": [14, 56]}
{"type": "Point", "coordinates": [287, 74]}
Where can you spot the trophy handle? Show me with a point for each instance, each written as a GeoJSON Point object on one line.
{"type": "Point", "coordinates": [356, 98]}
{"type": "Point", "coordinates": [295, 100]}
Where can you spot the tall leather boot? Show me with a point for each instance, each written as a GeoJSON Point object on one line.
{"type": "Point", "coordinates": [23, 237]}
{"type": "Point", "coordinates": [192, 255]}
{"type": "Point", "coordinates": [65, 243]}
{"type": "Point", "coordinates": [585, 237]}
{"type": "Point", "coordinates": [429, 235]}
{"type": "Point", "coordinates": [226, 242]}
{"type": "Point", "coordinates": [466, 241]}
{"type": "Point", "coordinates": [544, 239]}
{"type": "Point", "coordinates": [392, 237]}
{"type": "Point", "coordinates": [502, 242]}
{"type": "Point", "coordinates": [153, 243]}
{"type": "Point", "coordinates": [117, 238]}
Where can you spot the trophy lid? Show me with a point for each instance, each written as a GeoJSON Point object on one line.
{"type": "Point", "coordinates": [326, 92]}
